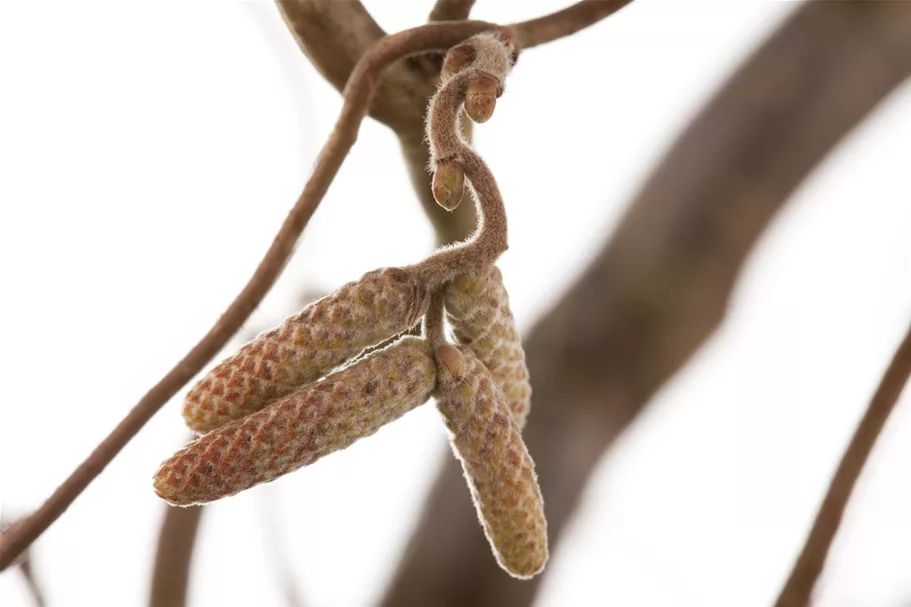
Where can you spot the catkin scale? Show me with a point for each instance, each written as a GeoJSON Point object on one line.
{"type": "Point", "coordinates": [497, 466]}
{"type": "Point", "coordinates": [306, 346]}
{"type": "Point", "coordinates": [302, 427]}
{"type": "Point", "coordinates": [477, 307]}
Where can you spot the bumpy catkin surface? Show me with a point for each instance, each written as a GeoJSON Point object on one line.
{"type": "Point", "coordinates": [497, 466]}
{"type": "Point", "coordinates": [306, 346]}
{"type": "Point", "coordinates": [477, 307]}
{"type": "Point", "coordinates": [302, 427]}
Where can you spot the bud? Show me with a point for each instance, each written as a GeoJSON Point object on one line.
{"type": "Point", "coordinates": [481, 98]}
{"type": "Point", "coordinates": [496, 463]}
{"type": "Point", "coordinates": [477, 307]}
{"type": "Point", "coordinates": [302, 427]}
{"type": "Point", "coordinates": [458, 57]}
{"type": "Point", "coordinates": [448, 185]}
{"type": "Point", "coordinates": [306, 346]}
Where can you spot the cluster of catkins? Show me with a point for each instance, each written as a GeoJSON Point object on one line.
{"type": "Point", "coordinates": [308, 388]}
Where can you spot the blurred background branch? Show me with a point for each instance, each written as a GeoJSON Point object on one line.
{"type": "Point", "coordinates": [661, 285]}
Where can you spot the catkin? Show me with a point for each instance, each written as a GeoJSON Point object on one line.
{"type": "Point", "coordinates": [302, 427]}
{"type": "Point", "coordinates": [496, 463]}
{"type": "Point", "coordinates": [477, 306]}
{"type": "Point", "coordinates": [306, 346]}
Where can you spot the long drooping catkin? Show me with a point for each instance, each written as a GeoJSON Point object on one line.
{"type": "Point", "coordinates": [306, 346]}
{"type": "Point", "coordinates": [497, 466]}
{"type": "Point", "coordinates": [477, 307]}
{"type": "Point", "coordinates": [302, 427]}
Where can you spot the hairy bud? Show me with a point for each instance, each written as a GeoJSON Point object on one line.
{"type": "Point", "coordinates": [448, 185]}
{"type": "Point", "coordinates": [302, 427]}
{"type": "Point", "coordinates": [496, 463]}
{"type": "Point", "coordinates": [306, 346]}
{"type": "Point", "coordinates": [477, 306]}
{"type": "Point", "coordinates": [481, 98]}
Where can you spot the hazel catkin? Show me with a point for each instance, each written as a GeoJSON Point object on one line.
{"type": "Point", "coordinates": [497, 466]}
{"type": "Point", "coordinates": [302, 427]}
{"type": "Point", "coordinates": [306, 346]}
{"type": "Point", "coordinates": [477, 307]}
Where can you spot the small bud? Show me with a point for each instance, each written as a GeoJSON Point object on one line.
{"type": "Point", "coordinates": [304, 426]}
{"type": "Point", "coordinates": [481, 99]}
{"type": "Point", "coordinates": [477, 306]}
{"type": "Point", "coordinates": [448, 185]}
{"type": "Point", "coordinates": [458, 57]}
{"type": "Point", "coordinates": [496, 463]}
{"type": "Point", "coordinates": [306, 346]}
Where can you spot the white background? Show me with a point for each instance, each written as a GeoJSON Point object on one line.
{"type": "Point", "coordinates": [148, 153]}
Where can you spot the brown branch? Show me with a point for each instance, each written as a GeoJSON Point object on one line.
{"type": "Point", "coordinates": [451, 10]}
{"type": "Point", "coordinates": [565, 22]}
{"type": "Point", "coordinates": [661, 285]}
{"type": "Point", "coordinates": [334, 34]}
{"type": "Point", "coordinates": [24, 564]}
{"type": "Point", "coordinates": [799, 587]}
{"type": "Point", "coordinates": [358, 93]}
{"type": "Point", "coordinates": [171, 572]}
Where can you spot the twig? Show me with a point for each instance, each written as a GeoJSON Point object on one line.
{"type": "Point", "coordinates": [171, 572]}
{"type": "Point", "coordinates": [358, 93]}
{"type": "Point", "coordinates": [799, 587]}
{"type": "Point", "coordinates": [451, 10]}
{"type": "Point", "coordinates": [660, 287]}
{"type": "Point", "coordinates": [334, 34]}
{"type": "Point", "coordinates": [565, 22]}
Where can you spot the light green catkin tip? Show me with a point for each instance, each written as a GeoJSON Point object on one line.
{"type": "Point", "coordinates": [306, 346]}
{"type": "Point", "coordinates": [302, 427]}
{"type": "Point", "coordinates": [497, 466]}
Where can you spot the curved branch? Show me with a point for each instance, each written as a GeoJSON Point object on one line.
{"type": "Point", "coordinates": [660, 287]}
{"type": "Point", "coordinates": [565, 22]}
{"type": "Point", "coordinates": [799, 587]}
{"type": "Point", "coordinates": [357, 93]}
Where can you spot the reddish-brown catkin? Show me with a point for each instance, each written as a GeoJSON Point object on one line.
{"type": "Point", "coordinates": [302, 427]}
{"type": "Point", "coordinates": [306, 346]}
{"type": "Point", "coordinates": [496, 463]}
{"type": "Point", "coordinates": [477, 306]}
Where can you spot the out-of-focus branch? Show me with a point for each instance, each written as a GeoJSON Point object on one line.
{"type": "Point", "coordinates": [358, 93]}
{"type": "Point", "coordinates": [451, 10]}
{"type": "Point", "coordinates": [176, 540]}
{"type": "Point", "coordinates": [661, 285]}
{"type": "Point", "coordinates": [799, 587]}
{"type": "Point", "coordinates": [565, 22]}
{"type": "Point", "coordinates": [334, 34]}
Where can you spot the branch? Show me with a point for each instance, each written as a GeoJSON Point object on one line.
{"type": "Point", "coordinates": [565, 22]}
{"type": "Point", "coordinates": [358, 93]}
{"type": "Point", "coordinates": [661, 285]}
{"type": "Point", "coordinates": [451, 10]}
{"type": "Point", "coordinates": [171, 572]}
{"type": "Point", "coordinates": [24, 564]}
{"type": "Point", "coordinates": [799, 587]}
{"type": "Point", "coordinates": [334, 34]}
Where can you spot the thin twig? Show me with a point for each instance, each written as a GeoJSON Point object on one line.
{"type": "Point", "coordinates": [357, 93]}
{"type": "Point", "coordinates": [565, 22]}
{"type": "Point", "coordinates": [812, 559]}
{"type": "Point", "coordinates": [660, 287]}
{"type": "Point", "coordinates": [24, 565]}
{"type": "Point", "coordinates": [176, 540]}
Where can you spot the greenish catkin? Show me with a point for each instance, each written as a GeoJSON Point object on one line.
{"type": "Point", "coordinates": [497, 466]}
{"type": "Point", "coordinates": [477, 307]}
{"type": "Point", "coordinates": [302, 427]}
{"type": "Point", "coordinates": [306, 346]}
